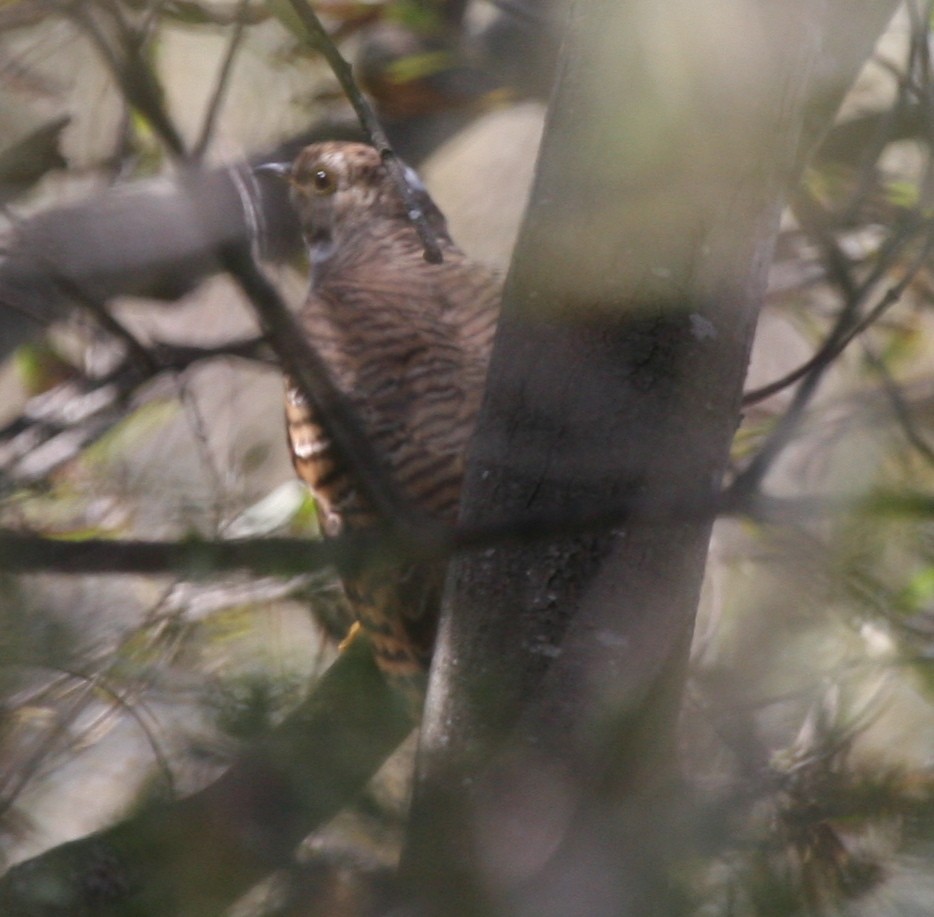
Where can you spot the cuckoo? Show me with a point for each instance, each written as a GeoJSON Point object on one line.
{"type": "Point", "coordinates": [407, 342]}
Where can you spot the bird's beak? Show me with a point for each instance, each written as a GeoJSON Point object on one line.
{"type": "Point", "coordinates": [279, 169]}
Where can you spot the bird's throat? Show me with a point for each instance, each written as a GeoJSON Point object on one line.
{"type": "Point", "coordinates": [321, 246]}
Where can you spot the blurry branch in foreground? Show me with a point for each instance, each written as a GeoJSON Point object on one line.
{"type": "Point", "coordinates": [197, 558]}
{"type": "Point", "coordinates": [237, 830]}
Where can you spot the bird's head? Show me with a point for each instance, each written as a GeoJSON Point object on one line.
{"type": "Point", "coordinates": [338, 189]}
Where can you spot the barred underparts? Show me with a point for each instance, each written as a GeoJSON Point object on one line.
{"type": "Point", "coordinates": [408, 343]}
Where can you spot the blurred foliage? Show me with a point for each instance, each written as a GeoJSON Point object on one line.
{"type": "Point", "coordinates": [809, 729]}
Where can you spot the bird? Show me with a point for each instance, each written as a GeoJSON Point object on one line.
{"type": "Point", "coordinates": [407, 342]}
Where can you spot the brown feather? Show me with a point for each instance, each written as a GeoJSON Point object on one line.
{"type": "Point", "coordinates": [408, 343]}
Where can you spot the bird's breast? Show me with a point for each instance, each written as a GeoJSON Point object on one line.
{"type": "Point", "coordinates": [317, 463]}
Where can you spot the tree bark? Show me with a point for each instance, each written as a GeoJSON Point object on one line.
{"type": "Point", "coordinates": [548, 749]}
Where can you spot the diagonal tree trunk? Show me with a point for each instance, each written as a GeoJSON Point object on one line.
{"type": "Point", "coordinates": [548, 750]}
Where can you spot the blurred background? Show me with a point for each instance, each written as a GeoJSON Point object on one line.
{"type": "Point", "coordinates": [135, 403]}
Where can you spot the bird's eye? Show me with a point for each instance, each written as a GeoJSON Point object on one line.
{"type": "Point", "coordinates": [323, 182]}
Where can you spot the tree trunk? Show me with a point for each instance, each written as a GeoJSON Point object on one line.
{"type": "Point", "coordinates": [548, 748]}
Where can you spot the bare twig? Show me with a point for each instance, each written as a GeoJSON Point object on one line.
{"type": "Point", "coordinates": [45, 743]}
{"type": "Point", "coordinates": [900, 408]}
{"type": "Point", "coordinates": [321, 41]}
{"type": "Point", "coordinates": [134, 76]}
{"type": "Point", "coordinates": [223, 82]}
{"type": "Point", "coordinates": [288, 556]}
{"type": "Point", "coordinates": [846, 329]}
{"type": "Point", "coordinates": [290, 781]}
{"type": "Point", "coordinates": [248, 13]}
{"type": "Point", "coordinates": [170, 356]}
{"type": "Point", "coordinates": [35, 427]}
{"type": "Point", "coordinates": [30, 553]}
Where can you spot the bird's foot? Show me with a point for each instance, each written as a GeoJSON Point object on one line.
{"type": "Point", "coordinates": [352, 635]}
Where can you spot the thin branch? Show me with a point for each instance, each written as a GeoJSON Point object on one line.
{"type": "Point", "coordinates": [134, 76]}
{"type": "Point", "coordinates": [196, 558]}
{"type": "Point", "coordinates": [191, 558]}
{"type": "Point", "coordinates": [99, 682]}
{"type": "Point", "coordinates": [900, 407]}
{"type": "Point", "coordinates": [223, 82]}
{"type": "Point", "coordinates": [845, 330]}
{"type": "Point", "coordinates": [839, 335]}
{"type": "Point", "coordinates": [136, 351]}
{"type": "Point", "coordinates": [56, 734]}
{"type": "Point", "coordinates": [38, 423]}
{"type": "Point", "coordinates": [199, 427]}
{"type": "Point", "coordinates": [216, 13]}
{"type": "Point", "coordinates": [750, 479]}
{"type": "Point", "coordinates": [176, 357]}
{"type": "Point", "coordinates": [38, 751]}
{"type": "Point", "coordinates": [321, 42]}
